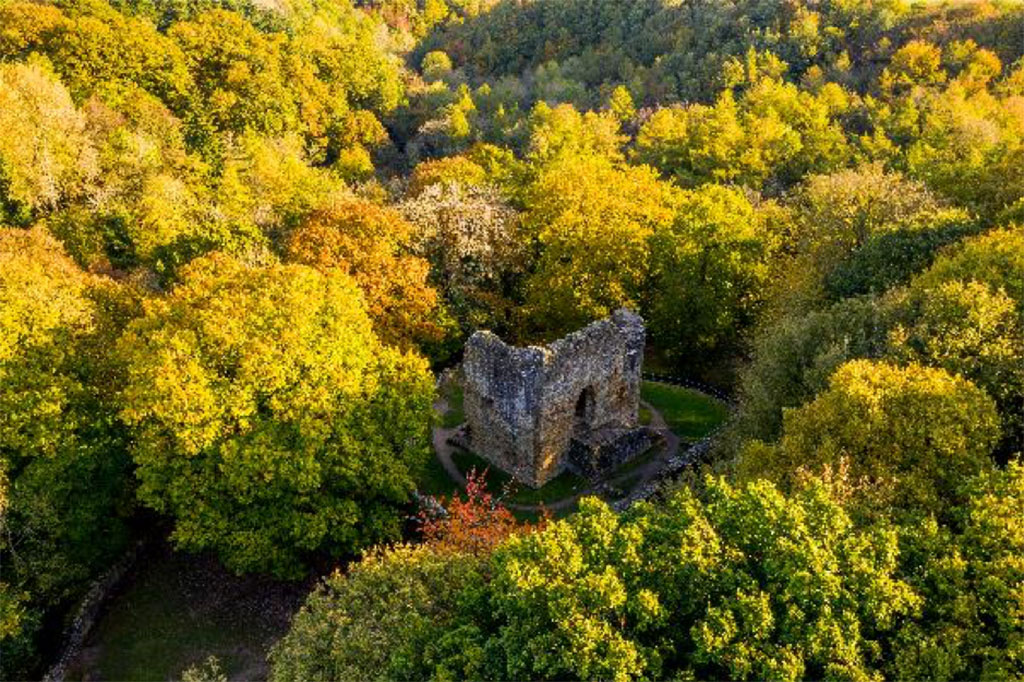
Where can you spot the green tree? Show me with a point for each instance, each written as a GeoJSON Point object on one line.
{"type": "Point", "coordinates": [971, 326]}
{"type": "Point", "coordinates": [794, 357]}
{"type": "Point", "coordinates": [707, 271]}
{"type": "Point", "coordinates": [240, 73]}
{"type": "Point", "coordinates": [384, 619]}
{"type": "Point", "coordinates": [909, 436]}
{"type": "Point", "coordinates": [95, 48]}
{"type": "Point", "coordinates": [995, 258]}
{"type": "Point", "coordinates": [771, 134]}
{"type": "Point", "coordinates": [594, 221]}
{"type": "Point", "coordinates": [970, 575]}
{"type": "Point", "coordinates": [699, 587]}
{"type": "Point", "coordinates": [735, 582]}
{"type": "Point", "coordinates": [64, 468]}
{"type": "Point", "coordinates": [269, 420]}
{"type": "Point", "coordinates": [862, 230]}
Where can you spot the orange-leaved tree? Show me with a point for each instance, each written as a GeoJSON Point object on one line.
{"type": "Point", "coordinates": [370, 243]}
{"type": "Point", "coordinates": [474, 524]}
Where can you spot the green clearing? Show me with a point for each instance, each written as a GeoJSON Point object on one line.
{"type": "Point", "coordinates": [177, 610]}
{"type": "Point", "coordinates": [434, 480]}
{"type": "Point", "coordinates": [645, 416]}
{"type": "Point", "coordinates": [455, 415]}
{"type": "Point", "coordinates": [690, 414]}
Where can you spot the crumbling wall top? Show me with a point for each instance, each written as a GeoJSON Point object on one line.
{"type": "Point", "coordinates": [511, 377]}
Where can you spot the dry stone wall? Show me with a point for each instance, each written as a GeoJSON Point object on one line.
{"type": "Point", "coordinates": [525, 406]}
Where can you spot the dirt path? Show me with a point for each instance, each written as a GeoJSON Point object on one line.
{"type": "Point", "coordinates": [444, 450]}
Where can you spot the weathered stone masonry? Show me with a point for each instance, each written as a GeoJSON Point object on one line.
{"type": "Point", "coordinates": [535, 411]}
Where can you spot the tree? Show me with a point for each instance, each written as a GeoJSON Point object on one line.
{"type": "Point", "coordinates": [594, 222]}
{"type": "Point", "coordinates": [840, 211]}
{"type": "Point", "coordinates": [448, 170]}
{"type": "Point", "coordinates": [970, 326]}
{"type": "Point", "coordinates": [435, 65]}
{"type": "Point", "coordinates": [372, 245]}
{"type": "Point", "coordinates": [916, 64]}
{"type": "Point", "coordinates": [240, 73]}
{"type": "Point", "coordinates": [847, 227]}
{"type": "Point", "coordinates": [384, 619]}
{"type": "Point", "coordinates": [474, 242]}
{"type": "Point", "coordinates": [620, 103]}
{"type": "Point", "coordinates": [769, 135]}
{"type": "Point", "coordinates": [995, 258]}
{"type": "Point", "coordinates": [961, 141]}
{"type": "Point", "coordinates": [564, 131]}
{"type": "Point", "coordinates": [269, 420]}
{"type": "Point", "coordinates": [699, 587]}
{"type": "Point", "coordinates": [474, 525]}
{"type": "Point", "coordinates": [909, 435]}
{"type": "Point", "coordinates": [389, 616]}
{"type": "Point", "coordinates": [970, 575]}
{"type": "Point", "coordinates": [794, 357]}
{"type": "Point", "coordinates": [64, 471]}
{"type": "Point", "coordinates": [707, 268]}
{"type": "Point", "coordinates": [45, 155]}
{"type": "Point", "coordinates": [735, 582]}
{"type": "Point", "coordinates": [97, 49]}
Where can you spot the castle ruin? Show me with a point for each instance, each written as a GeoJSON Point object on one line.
{"type": "Point", "coordinates": [536, 411]}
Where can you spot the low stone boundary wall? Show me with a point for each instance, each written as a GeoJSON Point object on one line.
{"type": "Point", "coordinates": [690, 383]}
{"type": "Point", "coordinates": [596, 455]}
{"type": "Point", "coordinates": [673, 467]}
{"type": "Point", "coordinates": [89, 610]}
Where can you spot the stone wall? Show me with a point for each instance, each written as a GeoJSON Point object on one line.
{"type": "Point", "coordinates": [592, 456]}
{"type": "Point", "coordinates": [525, 405]}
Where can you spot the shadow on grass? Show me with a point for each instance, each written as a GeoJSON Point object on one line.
{"type": "Point", "coordinates": [453, 395]}
{"type": "Point", "coordinates": [177, 610]}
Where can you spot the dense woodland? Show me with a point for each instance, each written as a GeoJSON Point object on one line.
{"type": "Point", "coordinates": [238, 238]}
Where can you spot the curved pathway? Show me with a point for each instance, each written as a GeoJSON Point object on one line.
{"type": "Point", "coordinates": [643, 475]}
{"type": "Point", "coordinates": [442, 448]}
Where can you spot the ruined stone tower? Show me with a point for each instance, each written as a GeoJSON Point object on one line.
{"type": "Point", "coordinates": [536, 411]}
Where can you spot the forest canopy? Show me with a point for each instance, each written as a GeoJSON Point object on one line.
{"type": "Point", "coordinates": [238, 238]}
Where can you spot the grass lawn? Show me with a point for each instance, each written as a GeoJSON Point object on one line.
{"type": "Point", "coordinates": [645, 416]}
{"type": "Point", "coordinates": [690, 414]}
{"type": "Point", "coordinates": [434, 480]}
{"type": "Point", "coordinates": [452, 393]}
{"type": "Point", "coordinates": [565, 485]}
{"type": "Point", "coordinates": [177, 610]}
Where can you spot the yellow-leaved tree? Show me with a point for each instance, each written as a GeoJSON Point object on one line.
{"type": "Point", "coordinates": [593, 220]}
{"type": "Point", "coordinates": [372, 244]}
{"type": "Point", "coordinates": [270, 420]}
{"type": "Point", "coordinates": [906, 437]}
{"type": "Point", "coordinates": [64, 471]}
{"type": "Point", "coordinates": [45, 155]}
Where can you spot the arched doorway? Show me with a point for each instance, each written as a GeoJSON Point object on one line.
{"type": "Point", "coordinates": [584, 415]}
